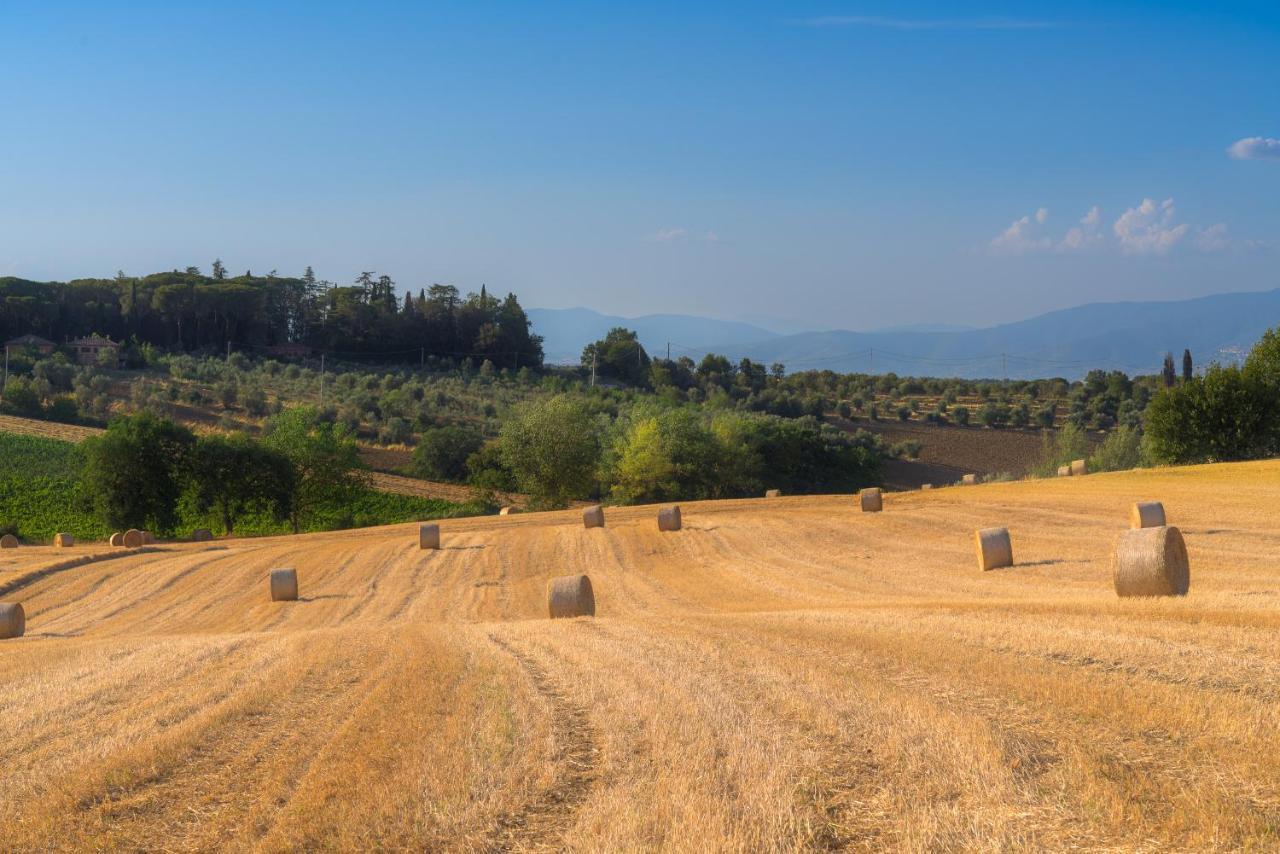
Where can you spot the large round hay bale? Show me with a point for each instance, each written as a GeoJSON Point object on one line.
{"type": "Point", "coordinates": [117, 539]}
{"type": "Point", "coordinates": [132, 538]}
{"type": "Point", "coordinates": [1151, 562]}
{"type": "Point", "coordinates": [148, 538]}
{"type": "Point", "coordinates": [925, 486]}
{"type": "Point", "coordinates": [1079, 468]}
{"type": "Point", "coordinates": [429, 537]}
{"type": "Point", "coordinates": [284, 585]}
{"type": "Point", "coordinates": [969, 480]}
{"type": "Point", "coordinates": [1064, 471]}
{"type": "Point", "coordinates": [995, 549]}
{"type": "Point", "coordinates": [1147, 514]}
{"type": "Point", "coordinates": [507, 511]}
{"type": "Point", "coordinates": [201, 535]}
{"type": "Point", "coordinates": [871, 499]}
{"type": "Point", "coordinates": [593, 517]}
{"type": "Point", "coordinates": [63, 541]}
{"type": "Point", "coordinates": [13, 620]}
{"type": "Point", "coordinates": [8, 541]}
{"type": "Point", "coordinates": [773, 493]}
{"type": "Point", "coordinates": [571, 596]}
{"type": "Point", "coordinates": [669, 519]}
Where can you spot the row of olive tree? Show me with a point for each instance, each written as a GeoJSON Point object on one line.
{"type": "Point", "coordinates": [144, 469]}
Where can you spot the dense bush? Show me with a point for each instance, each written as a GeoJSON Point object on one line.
{"type": "Point", "coordinates": [442, 453]}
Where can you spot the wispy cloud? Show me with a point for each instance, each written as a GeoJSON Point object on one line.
{"type": "Point", "coordinates": [1023, 235]}
{"type": "Point", "coordinates": [929, 24]}
{"type": "Point", "coordinates": [1084, 235]}
{"type": "Point", "coordinates": [666, 235]}
{"type": "Point", "coordinates": [1255, 148]}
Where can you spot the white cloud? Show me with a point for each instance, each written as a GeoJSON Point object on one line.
{"type": "Point", "coordinates": [1255, 148]}
{"type": "Point", "coordinates": [1149, 229]}
{"type": "Point", "coordinates": [1084, 235]}
{"type": "Point", "coordinates": [1023, 235]}
{"type": "Point", "coordinates": [666, 235]}
{"type": "Point", "coordinates": [1213, 239]}
{"type": "Point", "coordinates": [926, 24]}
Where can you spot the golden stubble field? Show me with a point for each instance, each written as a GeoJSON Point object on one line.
{"type": "Point", "coordinates": [782, 674]}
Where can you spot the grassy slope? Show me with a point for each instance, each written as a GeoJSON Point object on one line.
{"type": "Point", "coordinates": [782, 674]}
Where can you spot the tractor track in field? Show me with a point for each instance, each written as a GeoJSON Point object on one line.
{"type": "Point", "coordinates": [541, 822]}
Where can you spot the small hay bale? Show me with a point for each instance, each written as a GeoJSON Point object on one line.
{"type": "Point", "coordinates": [8, 541]}
{"type": "Point", "coordinates": [871, 499]}
{"type": "Point", "coordinates": [1151, 562]}
{"type": "Point", "coordinates": [994, 548]}
{"type": "Point", "coordinates": [669, 519]}
{"type": "Point", "coordinates": [201, 535]}
{"type": "Point", "coordinates": [1064, 471]}
{"type": "Point", "coordinates": [925, 486]}
{"type": "Point", "coordinates": [969, 480]}
{"type": "Point", "coordinates": [1079, 468]}
{"type": "Point", "coordinates": [284, 585]}
{"type": "Point", "coordinates": [63, 541]}
{"type": "Point", "coordinates": [773, 493]}
{"type": "Point", "coordinates": [148, 538]}
{"type": "Point", "coordinates": [117, 539]}
{"type": "Point", "coordinates": [429, 537]}
{"type": "Point", "coordinates": [13, 620]}
{"type": "Point", "coordinates": [132, 538]}
{"type": "Point", "coordinates": [1147, 514]}
{"type": "Point", "coordinates": [593, 517]}
{"type": "Point", "coordinates": [507, 511]}
{"type": "Point", "coordinates": [571, 596]}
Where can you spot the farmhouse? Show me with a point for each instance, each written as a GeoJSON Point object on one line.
{"type": "Point", "coordinates": [25, 344]}
{"type": "Point", "coordinates": [90, 350]}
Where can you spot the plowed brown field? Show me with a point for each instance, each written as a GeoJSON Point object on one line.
{"type": "Point", "coordinates": [782, 674]}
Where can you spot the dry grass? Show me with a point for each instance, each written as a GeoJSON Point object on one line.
{"type": "Point", "coordinates": [781, 676]}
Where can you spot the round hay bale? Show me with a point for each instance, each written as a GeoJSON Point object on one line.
{"type": "Point", "coordinates": [994, 548]}
{"type": "Point", "coordinates": [117, 539]}
{"type": "Point", "coordinates": [201, 535]}
{"type": "Point", "coordinates": [593, 517]}
{"type": "Point", "coordinates": [13, 620]}
{"type": "Point", "coordinates": [1079, 468]}
{"type": "Point", "coordinates": [63, 541]}
{"type": "Point", "coordinates": [1151, 562]}
{"type": "Point", "coordinates": [871, 500]}
{"type": "Point", "coordinates": [969, 480]}
{"type": "Point", "coordinates": [571, 596]}
{"type": "Point", "coordinates": [1147, 514]}
{"type": "Point", "coordinates": [132, 538]}
{"type": "Point", "coordinates": [284, 585]}
{"type": "Point", "coordinates": [8, 541]}
{"type": "Point", "coordinates": [773, 493]}
{"type": "Point", "coordinates": [925, 486]}
{"type": "Point", "coordinates": [429, 537]}
{"type": "Point", "coordinates": [507, 511]}
{"type": "Point", "coordinates": [1064, 471]}
{"type": "Point", "coordinates": [148, 538]}
{"type": "Point", "coordinates": [669, 519]}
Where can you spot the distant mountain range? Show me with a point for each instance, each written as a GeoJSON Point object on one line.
{"type": "Point", "coordinates": [1128, 336]}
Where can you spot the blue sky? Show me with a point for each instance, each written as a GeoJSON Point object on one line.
{"type": "Point", "coordinates": [850, 165]}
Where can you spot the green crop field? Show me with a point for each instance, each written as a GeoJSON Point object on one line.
{"type": "Point", "coordinates": [41, 494]}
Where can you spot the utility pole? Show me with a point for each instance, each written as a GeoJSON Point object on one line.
{"type": "Point", "coordinates": [228, 349]}
{"type": "Point", "coordinates": [593, 368]}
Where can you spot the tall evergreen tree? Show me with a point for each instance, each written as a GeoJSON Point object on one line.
{"type": "Point", "coordinates": [1187, 367]}
{"type": "Point", "coordinates": [1169, 374]}
{"type": "Point", "coordinates": [219, 271]}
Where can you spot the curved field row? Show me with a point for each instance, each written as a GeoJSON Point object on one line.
{"type": "Point", "coordinates": [782, 673]}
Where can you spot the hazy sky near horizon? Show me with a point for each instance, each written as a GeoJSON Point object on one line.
{"type": "Point", "coordinates": [845, 165]}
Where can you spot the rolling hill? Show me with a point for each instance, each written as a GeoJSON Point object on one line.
{"type": "Point", "coordinates": [1128, 336]}
{"type": "Point", "coordinates": [783, 674]}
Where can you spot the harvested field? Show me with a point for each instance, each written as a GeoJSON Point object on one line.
{"type": "Point", "coordinates": [779, 675]}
